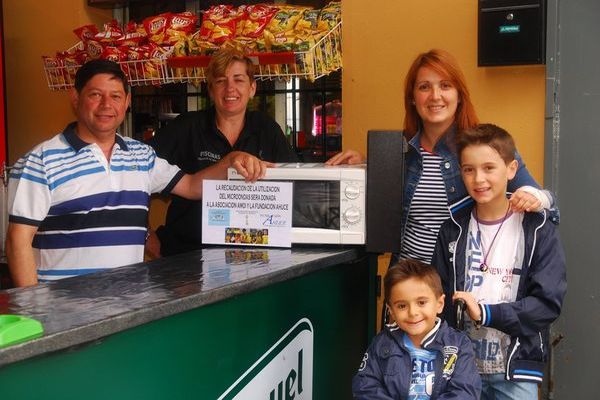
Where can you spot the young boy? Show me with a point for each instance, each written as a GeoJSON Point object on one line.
{"type": "Point", "coordinates": [509, 269]}
{"type": "Point", "coordinates": [417, 356]}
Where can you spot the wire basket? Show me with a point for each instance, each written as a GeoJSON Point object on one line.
{"type": "Point", "coordinates": [152, 71]}
{"type": "Point", "coordinates": [324, 57]}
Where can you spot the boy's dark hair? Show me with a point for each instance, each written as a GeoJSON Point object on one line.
{"type": "Point", "coordinates": [489, 135]}
{"type": "Point", "coordinates": [406, 269]}
{"type": "Point", "coordinates": [95, 67]}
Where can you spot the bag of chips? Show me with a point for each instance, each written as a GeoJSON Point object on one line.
{"type": "Point", "coordinates": [179, 27]}
{"type": "Point", "coordinates": [219, 23]}
{"type": "Point", "coordinates": [155, 27]}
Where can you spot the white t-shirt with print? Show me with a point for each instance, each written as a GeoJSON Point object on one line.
{"type": "Point", "coordinates": [498, 284]}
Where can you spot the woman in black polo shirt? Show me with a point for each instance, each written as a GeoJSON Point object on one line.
{"type": "Point", "coordinates": [225, 135]}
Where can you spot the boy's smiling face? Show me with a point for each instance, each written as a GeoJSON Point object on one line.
{"type": "Point", "coordinates": [414, 306]}
{"type": "Point", "coordinates": [486, 174]}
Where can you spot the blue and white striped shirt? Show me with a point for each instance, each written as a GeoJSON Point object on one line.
{"type": "Point", "coordinates": [91, 213]}
{"type": "Point", "coordinates": [428, 210]}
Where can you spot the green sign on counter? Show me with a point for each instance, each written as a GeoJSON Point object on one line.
{"type": "Point", "coordinates": [299, 339]}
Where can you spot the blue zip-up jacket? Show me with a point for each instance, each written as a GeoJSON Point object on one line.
{"type": "Point", "coordinates": [386, 369]}
{"type": "Point", "coordinates": [455, 188]}
{"type": "Point", "coordinates": [540, 295]}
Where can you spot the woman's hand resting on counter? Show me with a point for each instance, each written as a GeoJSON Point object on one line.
{"type": "Point", "coordinates": [347, 157]}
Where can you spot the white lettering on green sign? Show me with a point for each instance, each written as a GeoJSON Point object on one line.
{"type": "Point", "coordinates": [283, 372]}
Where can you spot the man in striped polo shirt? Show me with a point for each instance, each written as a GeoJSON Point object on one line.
{"type": "Point", "coordinates": [78, 202]}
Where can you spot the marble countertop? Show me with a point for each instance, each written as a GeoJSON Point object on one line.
{"type": "Point", "coordinates": [82, 309]}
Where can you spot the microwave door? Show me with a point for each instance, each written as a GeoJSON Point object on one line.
{"type": "Point", "coordinates": [316, 204]}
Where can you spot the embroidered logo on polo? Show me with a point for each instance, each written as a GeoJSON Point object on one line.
{"type": "Point", "coordinates": [450, 358]}
{"type": "Point", "coordinates": [208, 156]}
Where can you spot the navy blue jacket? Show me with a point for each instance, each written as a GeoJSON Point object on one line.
{"type": "Point", "coordinates": [540, 295]}
{"type": "Point", "coordinates": [386, 369]}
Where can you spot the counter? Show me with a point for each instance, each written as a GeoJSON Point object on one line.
{"type": "Point", "coordinates": [225, 323]}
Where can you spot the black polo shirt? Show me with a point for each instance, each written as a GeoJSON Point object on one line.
{"type": "Point", "coordinates": [193, 142]}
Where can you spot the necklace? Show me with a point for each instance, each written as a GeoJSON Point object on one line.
{"type": "Point", "coordinates": [483, 267]}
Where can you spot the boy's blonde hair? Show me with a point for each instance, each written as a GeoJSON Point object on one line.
{"type": "Point", "coordinates": [489, 135]}
{"type": "Point", "coordinates": [409, 268]}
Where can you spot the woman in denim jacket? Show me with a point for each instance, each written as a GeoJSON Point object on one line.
{"type": "Point", "coordinates": [437, 107]}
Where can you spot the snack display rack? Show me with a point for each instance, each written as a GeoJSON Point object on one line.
{"type": "Point", "coordinates": [324, 57]}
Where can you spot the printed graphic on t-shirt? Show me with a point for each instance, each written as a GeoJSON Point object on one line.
{"type": "Point", "coordinates": [493, 276]}
{"type": "Point", "coordinates": [423, 372]}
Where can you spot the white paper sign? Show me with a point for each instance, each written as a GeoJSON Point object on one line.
{"type": "Point", "coordinates": [247, 214]}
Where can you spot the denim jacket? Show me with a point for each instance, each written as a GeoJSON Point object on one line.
{"type": "Point", "coordinates": [455, 188]}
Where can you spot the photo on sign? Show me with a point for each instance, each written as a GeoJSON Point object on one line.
{"type": "Point", "coordinates": [246, 236]}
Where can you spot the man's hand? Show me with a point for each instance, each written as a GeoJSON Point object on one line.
{"type": "Point", "coordinates": [247, 165]}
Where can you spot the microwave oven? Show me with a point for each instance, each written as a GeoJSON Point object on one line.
{"type": "Point", "coordinates": [328, 204]}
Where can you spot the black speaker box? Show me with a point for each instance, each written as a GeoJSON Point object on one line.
{"type": "Point", "coordinates": [385, 185]}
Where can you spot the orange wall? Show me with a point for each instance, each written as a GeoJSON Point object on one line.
{"type": "Point", "coordinates": [382, 37]}
{"type": "Point", "coordinates": [33, 28]}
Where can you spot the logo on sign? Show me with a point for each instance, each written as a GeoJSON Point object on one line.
{"type": "Point", "coordinates": [285, 371]}
{"type": "Point", "coordinates": [218, 217]}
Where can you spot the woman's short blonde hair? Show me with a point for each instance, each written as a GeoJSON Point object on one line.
{"type": "Point", "coordinates": [222, 59]}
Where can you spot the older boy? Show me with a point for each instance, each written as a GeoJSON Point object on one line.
{"type": "Point", "coordinates": [417, 356]}
{"type": "Point", "coordinates": [508, 267]}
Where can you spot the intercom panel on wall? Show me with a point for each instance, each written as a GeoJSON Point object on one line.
{"type": "Point", "coordinates": [511, 32]}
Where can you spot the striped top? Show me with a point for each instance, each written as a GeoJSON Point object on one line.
{"type": "Point", "coordinates": [428, 210]}
{"type": "Point", "coordinates": [91, 214]}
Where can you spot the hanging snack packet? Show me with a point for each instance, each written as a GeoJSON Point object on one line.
{"type": "Point", "coordinates": [112, 32]}
{"type": "Point", "coordinates": [285, 19]}
{"type": "Point", "coordinates": [134, 36]}
{"type": "Point", "coordinates": [156, 26]}
{"type": "Point", "coordinates": [219, 23]}
{"type": "Point", "coordinates": [179, 27]}
{"type": "Point", "coordinates": [94, 49]}
{"type": "Point", "coordinates": [308, 22]}
{"type": "Point", "coordinates": [86, 32]}
{"type": "Point", "coordinates": [256, 19]}
{"type": "Point", "coordinates": [330, 16]}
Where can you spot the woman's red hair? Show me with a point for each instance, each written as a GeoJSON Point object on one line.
{"type": "Point", "coordinates": [444, 64]}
